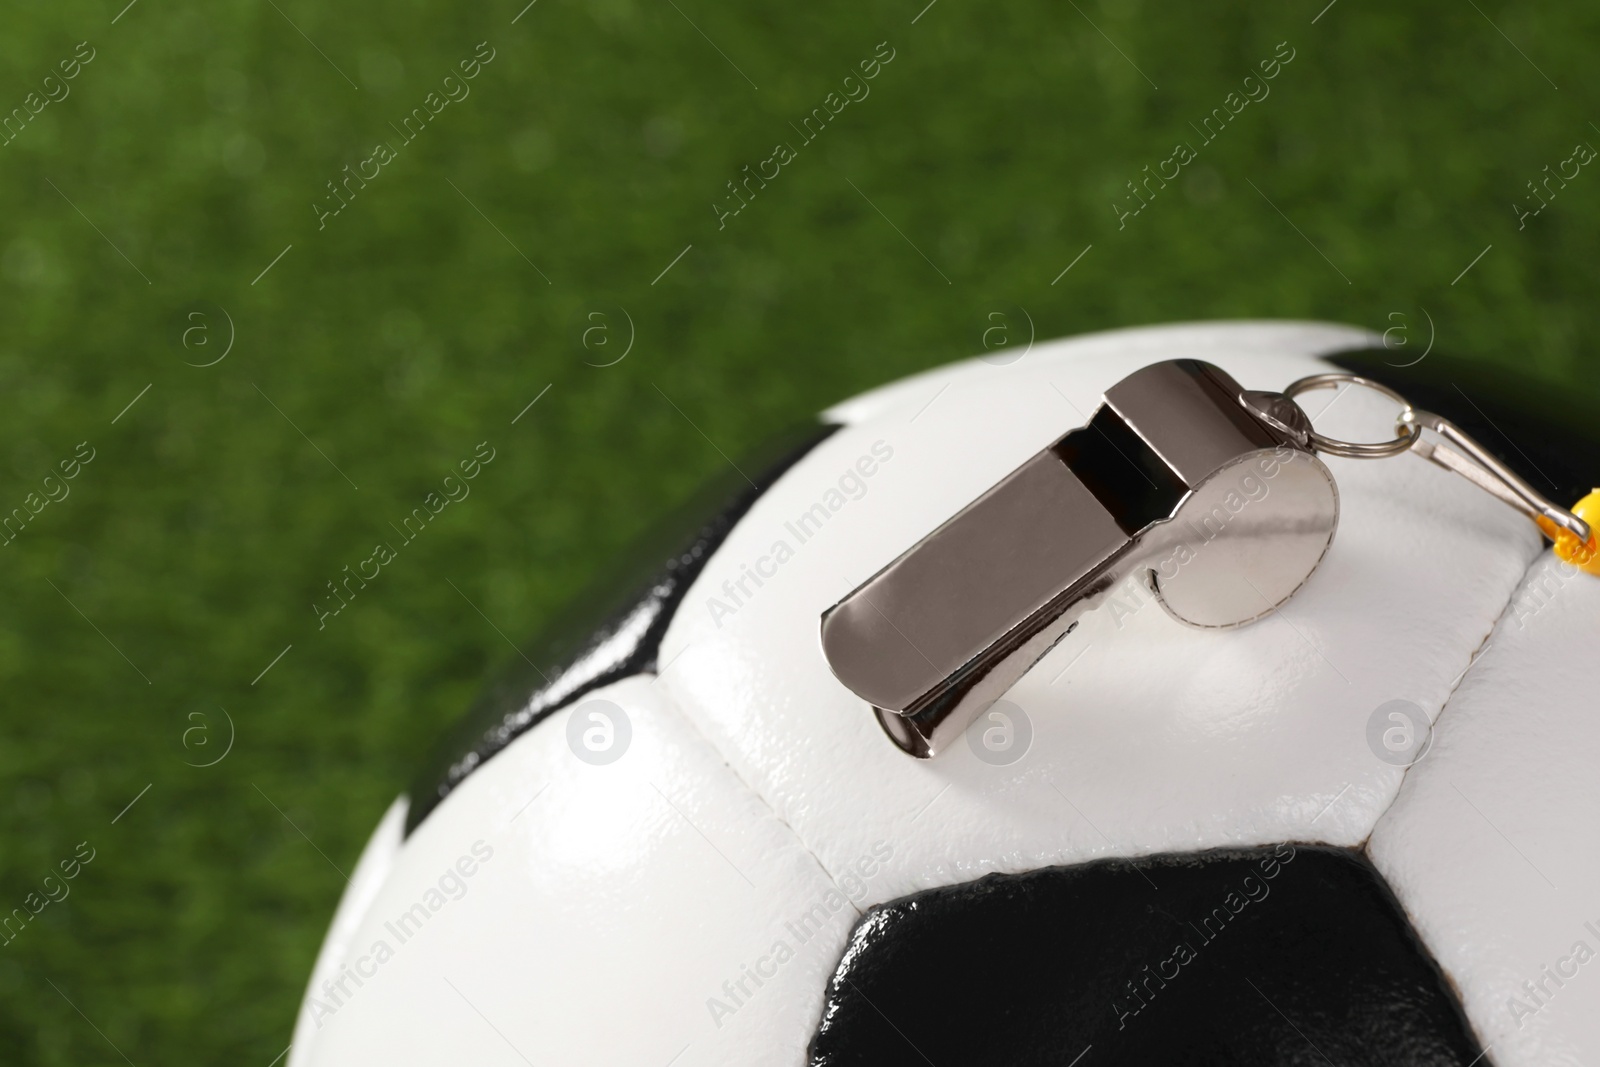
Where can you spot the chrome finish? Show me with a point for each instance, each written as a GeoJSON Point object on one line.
{"type": "Point", "coordinates": [1470, 460]}
{"type": "Point", "coordinates": [1466, 458]}
{"type": "Point", "coordinates": [969, 584]}
{"type": "Point", "coordinates": [1248, 556]}
{"type": "Point", "coordinates": [1211, 493]}
{"type": "Point", "coordinates": [1352, 449]}
{"type": "Point", "coordinates": [1281, 413]}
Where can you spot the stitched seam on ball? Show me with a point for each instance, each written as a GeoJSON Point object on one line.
{"type": "Point", "coordinates": [1472, 661]}
{"type": "Point", "coordinates": [1455, 982]}
{"type": "Point", "coordinates": [668, 697]}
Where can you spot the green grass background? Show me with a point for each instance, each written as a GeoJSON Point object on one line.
{"type": "Point", "coordinates": [411, 328]}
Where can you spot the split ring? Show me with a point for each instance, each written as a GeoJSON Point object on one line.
{"type": "Point", "coordinates": [1359, 449]}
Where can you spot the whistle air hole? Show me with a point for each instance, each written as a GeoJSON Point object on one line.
{"type": "Point", "coordinates": [1123, 473]}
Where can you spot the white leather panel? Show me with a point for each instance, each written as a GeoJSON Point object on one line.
{"type": "Point", "coordinates": [1142, 343]}
{"type": "Point", "coordinates": [606, 907]}
{"type": "Point", "coordinates": [1492, 845]}
{"type": "Point", "coordinates": [366, 881]}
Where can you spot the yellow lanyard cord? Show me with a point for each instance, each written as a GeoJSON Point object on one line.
{"type": "Point", "coordinates": [1586, 557]}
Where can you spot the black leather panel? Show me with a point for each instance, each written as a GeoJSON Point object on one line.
{"type": "Point", "coordinates": [1269, 957]}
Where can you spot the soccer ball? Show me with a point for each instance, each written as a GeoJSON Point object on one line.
{"type": "Point", "coordinates": [1350, 832]}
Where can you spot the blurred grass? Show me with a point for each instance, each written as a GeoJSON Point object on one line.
{"type": "Point", "coordinates": [411, 328]}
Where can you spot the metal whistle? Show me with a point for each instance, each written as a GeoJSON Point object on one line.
{"type": "Point", "coordinates": [1214, 493]}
